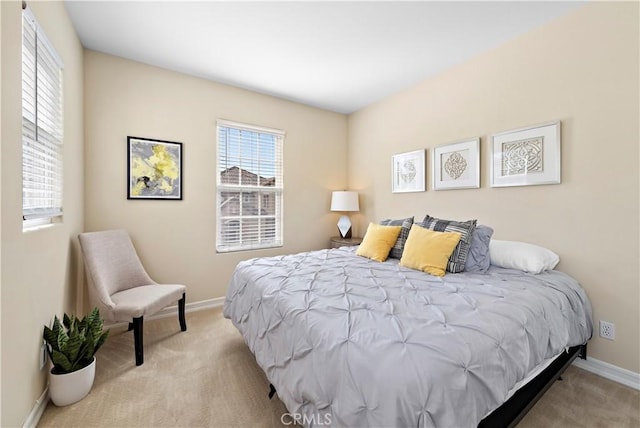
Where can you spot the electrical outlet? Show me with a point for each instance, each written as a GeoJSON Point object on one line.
{"type": "Point", "coordinates": [607, 330]}
{"type": "Point", "coordinates": [43, 355]}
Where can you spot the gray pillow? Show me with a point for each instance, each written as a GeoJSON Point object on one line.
{"type": "Point", "coordinates": [465, 228]}
{"type": "Point", "coordinates": [479, 259]}
{"type": "Point", "coordinates": [398, 247]}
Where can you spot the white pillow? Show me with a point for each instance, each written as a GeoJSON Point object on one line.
{"type": "Point", "coordinates": [521, 255]}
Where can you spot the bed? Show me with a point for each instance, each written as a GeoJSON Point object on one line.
{"type": "Point", "coordinates": [348, 341]}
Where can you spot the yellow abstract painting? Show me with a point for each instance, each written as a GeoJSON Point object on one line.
{"type": "Point", "coordinates": [155, 169]}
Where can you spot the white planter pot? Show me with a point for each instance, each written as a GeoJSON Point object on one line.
{"type": "Point", "coordinates": [68, 388]}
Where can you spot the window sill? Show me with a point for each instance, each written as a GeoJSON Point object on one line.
{"type": "Point", "coordinates": [37, 227]}
{"type": "Point", "coordinates": [239, 249]}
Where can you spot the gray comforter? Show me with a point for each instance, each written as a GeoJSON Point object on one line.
{"type": "Point", "coordinates": [354, 342]}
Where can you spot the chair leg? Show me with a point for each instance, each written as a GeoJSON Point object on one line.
{"type": "Point", "coordinates": [181, 302]}
{"type": "Point", "coordinates": [137, 330]}
{"type": "Point", "coordinates": [137, 338]}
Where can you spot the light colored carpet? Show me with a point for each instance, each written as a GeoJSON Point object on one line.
{"type": "Point", "coordinates": [206, 377]}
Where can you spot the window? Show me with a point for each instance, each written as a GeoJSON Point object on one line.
{"type": "Point", "coordinates": [41, 126]}
{"type": "Point", "coordinates": [249, 183]}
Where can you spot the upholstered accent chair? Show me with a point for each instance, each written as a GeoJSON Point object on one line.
{"type": "Point", "coordinates": [120, 286]}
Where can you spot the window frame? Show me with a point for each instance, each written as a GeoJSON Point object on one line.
{"type": "Point", "coordinates": [42, 133]}
{"type": "Point", "coordinates": [248, 192]}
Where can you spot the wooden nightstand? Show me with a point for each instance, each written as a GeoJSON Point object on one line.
{"type": "Point", "coordinates": [337, 241]}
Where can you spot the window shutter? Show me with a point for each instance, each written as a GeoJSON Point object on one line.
{"type": "Point", "coordinates": [249, 187]}
{"type": "Point", "coordinates": [42, 124]}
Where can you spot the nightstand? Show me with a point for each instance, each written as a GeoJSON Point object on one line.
{"type": "Point", "coordinates": [337, 241]}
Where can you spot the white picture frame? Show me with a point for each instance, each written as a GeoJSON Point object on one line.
{"type": "Point", "coordinates": [407, 172]}
{"type": "Point", "coordinates": [456, 165]}
{"type": "Point", "coordinates": [527, 156]}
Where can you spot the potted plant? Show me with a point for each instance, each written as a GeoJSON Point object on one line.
{"type": "Point", "coordinates": [71, 346]}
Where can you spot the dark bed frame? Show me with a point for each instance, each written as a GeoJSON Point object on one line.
{"type": "Point", "coordinates": [515, 408]}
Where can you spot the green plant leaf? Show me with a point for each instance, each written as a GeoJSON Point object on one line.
{"type": "Point", "coordinates": [61, 340]}
{"type": "Point", "coordinates": [56, 330]}
{"type": "Point", "coordinates": [66, 321]}
{"type": "Point", "coordinates": [50, 337]}
{"type": "Point", "coordinates": [73, 345]}
{"type": "Point", "coordinates": [90, 344]}
{"type": "Point", "coordinates": [61, 363]}
{"type": "Point", "coordinates": [95, 323]}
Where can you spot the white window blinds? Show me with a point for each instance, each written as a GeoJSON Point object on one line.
{"type": "Point", "coordinates": [41, 124]}
{"type": "Point", "coordinates": [249, 187]}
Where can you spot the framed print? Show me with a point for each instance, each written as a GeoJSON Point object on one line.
{"type": "Point", "coordinates": [456, 165]}
{"type": "Point", "coordinates": [526, 157]}
{"type": "Point", "coordinates": [154, 169]}
{"type": "Point", "coordinates": [408, 172]}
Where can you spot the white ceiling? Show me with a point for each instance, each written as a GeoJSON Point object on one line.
{"type": "Point", "coordinates": [339, 56]}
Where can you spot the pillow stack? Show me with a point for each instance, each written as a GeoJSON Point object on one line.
{"type": "Point", "coordinates": [437, 246]}
{"type": "Point", "coordinates": [433, 246]}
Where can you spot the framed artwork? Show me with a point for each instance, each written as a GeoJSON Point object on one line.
{"type": "Point", "coordinates": [154, 169]}
{"type": "Point", "coordinates": [407, 171]}
{"type": "Point", "coordinates": [456, 165]}
{"type": "Point", "coordinates": [526, 157]}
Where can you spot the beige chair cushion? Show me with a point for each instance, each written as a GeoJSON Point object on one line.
{"type": "Point", "coordinates": [145, 300]}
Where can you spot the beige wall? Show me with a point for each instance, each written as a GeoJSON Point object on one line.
{"type": "Point", "coordinates": [581, 69]}
{"type": "Point", "coordinates": [176, 239]}
{"type": "Point", "coordinates": [39, 268]}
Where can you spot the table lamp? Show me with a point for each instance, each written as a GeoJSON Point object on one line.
{"type": "Point", "coordinates": [344, 201]}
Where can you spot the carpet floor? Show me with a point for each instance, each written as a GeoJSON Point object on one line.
{"type": "Point", "coordinates": [206, 377]}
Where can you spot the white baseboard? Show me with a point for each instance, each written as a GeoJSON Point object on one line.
{"type": "Point", "coordinates": [609, 371]}
{"type": "Point", "coordinates": [190, 307]}
{"type": "Point", "coordinates": [38, 410]}
{"type": "Point", "coordinates": [41, 404]}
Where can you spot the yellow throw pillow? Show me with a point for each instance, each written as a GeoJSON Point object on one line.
{"type": "Point", "coordinates": [429, 251]}
{"type": "Point", "coordinates": [377, 242]}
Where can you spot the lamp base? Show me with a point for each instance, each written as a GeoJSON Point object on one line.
{"type": "Point", "coordinates": [344, 227]}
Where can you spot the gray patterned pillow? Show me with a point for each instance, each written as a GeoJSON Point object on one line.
{"type": "Point", "coordinates": [458, 258]}
{"type": "Point", "coordinates": [398, 247]}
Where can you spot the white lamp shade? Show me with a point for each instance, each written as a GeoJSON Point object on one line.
{"type": "Point", "coordinates": [344, 201]}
